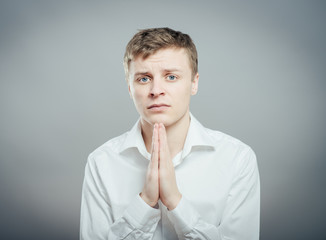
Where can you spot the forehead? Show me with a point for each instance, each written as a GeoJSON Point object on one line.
{"type": "Point", "coordinates": [164, 58]}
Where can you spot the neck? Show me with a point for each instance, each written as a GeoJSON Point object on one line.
{"type": "Point", "coordinates": [176, 134]}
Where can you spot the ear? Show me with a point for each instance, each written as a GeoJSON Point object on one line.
{"type": "Point", "coordinates": [194, 84]}
{"type": "Point", "coordinates": [129, 91]}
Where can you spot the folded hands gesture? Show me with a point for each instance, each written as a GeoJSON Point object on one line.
{"type": "Point", "coordinates": [160, 180]}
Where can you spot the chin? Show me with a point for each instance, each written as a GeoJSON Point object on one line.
{"type": "Point", "coordinates": [159, 118]}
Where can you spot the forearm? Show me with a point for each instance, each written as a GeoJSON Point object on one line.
{"type": "Point", "coordinates": [101, 220]}
{"type": "Point", "coordinates": [138, 221]}
{"type": "Point", "coordinates": [188, 224]}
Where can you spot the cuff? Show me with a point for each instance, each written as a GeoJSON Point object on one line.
{"type": "Point", "coordinates": [184, 217]}
{"type": "Point", "coordinates": [142, 216]}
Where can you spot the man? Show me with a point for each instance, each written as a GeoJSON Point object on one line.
{"type": "Point", "coordinates": [169, 177]}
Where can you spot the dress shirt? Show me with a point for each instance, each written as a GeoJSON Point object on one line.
{"type": "Point", "coordinates": [216, 174]}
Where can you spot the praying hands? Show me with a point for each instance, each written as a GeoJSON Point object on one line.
{"type": "Point", "coordinates": [160, 180]}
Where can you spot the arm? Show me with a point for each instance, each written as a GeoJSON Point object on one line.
{"type": "Point", "coordinates": [240, 219]}
{"type": "Point", "coordinates": [97, 222]}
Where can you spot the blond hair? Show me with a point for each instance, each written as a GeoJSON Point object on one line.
{"type": "Point", "coordinates": [148, 41]}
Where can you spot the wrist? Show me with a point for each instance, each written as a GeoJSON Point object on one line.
{"type": "Point", "coordinates": [146, 200]}
{"type": "Point", "coordinates": [174, 203]}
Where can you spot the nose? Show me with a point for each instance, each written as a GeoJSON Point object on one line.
{"type": "Point", "coordinates": [157, 88]}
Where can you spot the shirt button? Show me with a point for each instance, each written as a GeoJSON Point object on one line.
{"type": "Point", "coordinates": [138, 233]}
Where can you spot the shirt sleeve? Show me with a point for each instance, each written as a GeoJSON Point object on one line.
{"type": "Point", "coordinates": [240, 220]}
{"type": "Point", "coordinates": [138, 221]}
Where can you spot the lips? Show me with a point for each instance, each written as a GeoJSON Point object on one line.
{"type": "Point", "coordinates": [160, 105]}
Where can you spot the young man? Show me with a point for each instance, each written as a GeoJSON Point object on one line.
{"type": "Point", "coordinates": [169, 177]}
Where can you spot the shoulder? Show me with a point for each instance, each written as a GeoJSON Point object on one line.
{"type": "Point", "coordinates": [108, 149]}
{"type": "Point", "coordinates": [242, 154]}
{"type": "Point", "coordinates": [244, 160]}
{"type": "Point", "coordinates": [222, 139]}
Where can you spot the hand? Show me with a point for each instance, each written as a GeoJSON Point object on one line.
{"type": "Point", "coordinates": [160, 177]}
{"type": "Point", "coordinates": [150, 193]}
{"type": "Point", "coordinates": [168, 189]}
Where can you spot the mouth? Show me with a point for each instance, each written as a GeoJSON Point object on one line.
{"type": "Point", "coordinates": [157, 107]}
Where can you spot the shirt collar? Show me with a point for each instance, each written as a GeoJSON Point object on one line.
{"type": "Point", "coordinates": [197, 138]}
{"type": "Point", "coordinates": [135, 139]}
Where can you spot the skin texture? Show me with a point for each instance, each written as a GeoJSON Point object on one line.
{"type": "Point", "coordinates": [160, 178]}
{"type": "Point", "coordinates": [161, 86]}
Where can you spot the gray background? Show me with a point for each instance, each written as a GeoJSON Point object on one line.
{"type": "Point", "coordinates": [262, 80]}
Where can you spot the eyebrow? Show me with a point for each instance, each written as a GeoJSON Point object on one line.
{"type": "Point", "coordinates": [146, 73]}
{"type": "Point", "coordinates": [164, 70]}
{"type": "Point", "coordinates": [172, 70]}
{"type": "Point", "coordinates": [141, 73]}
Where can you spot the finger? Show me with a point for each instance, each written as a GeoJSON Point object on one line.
{"type": "Point", "coordinates": [155, 147]}
{"type": "Point", "coordinates": [152, 150]}
{"type": "Point", "coordinates": [163, 145]}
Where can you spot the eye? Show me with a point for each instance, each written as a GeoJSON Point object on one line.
{"type": "Point", "coordinates": [143, 80]}
{"type": "Point", "coordinates": [172, 77]}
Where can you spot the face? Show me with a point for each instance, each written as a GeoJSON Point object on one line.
{"type": "Point", "coordinates": [161, 86]}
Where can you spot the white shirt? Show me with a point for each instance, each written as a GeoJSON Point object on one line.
{"type": "Point", "coordinates": [216, 174]}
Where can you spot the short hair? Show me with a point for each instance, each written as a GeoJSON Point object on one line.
{"type": "Point", "coordinates": [148, 41]}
